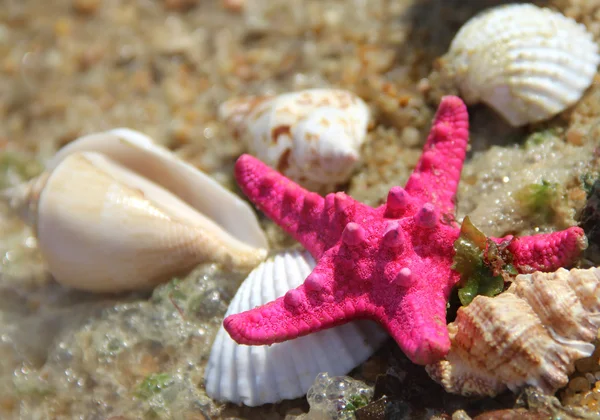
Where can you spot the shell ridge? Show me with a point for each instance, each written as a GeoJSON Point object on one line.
{"type": "Point", "coordinates": [517, 46]}
{"type": "Point", "coordinates": [530, 334]}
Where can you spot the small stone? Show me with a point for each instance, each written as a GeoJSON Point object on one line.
{"type": "Point", "coordinates": [62, 27]}
{"type": "Point", "coordinates": [235, 6]}
{"type": "Point", "coordinates": [575, 136]}
{"type": "Point", "coordinates": [410, 136]}
{"type": "Point", "coordinates": [86, 7]}
{"type": "Point", "coordinates": [579, 384]}
{"type": "Point", "coordinates": [460, 415]}
{"type": "Point", "coordinates": [180, 5]}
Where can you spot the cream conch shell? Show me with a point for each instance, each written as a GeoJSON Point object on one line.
{"type": "Point", "coordinates": [115, 212]}
{"type": "Point", "coordinates": [526, 62]}
{"type": "Point", "coordinates": [312, 136]}
{"type": "Point", "coordinates": [531, 334]}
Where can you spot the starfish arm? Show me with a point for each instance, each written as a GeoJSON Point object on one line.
{"type": "Point", "coordinates": [416, 321]}
{"type": "Point", "coordinates": [423, 337]}
{"type": "Point", "coordinates": [289, 205]}
{"type": "Point", "coordinates": [311, 307]}
{"type": "Point", "coordinates": [437, 173]}
{"type": "Point", "coordinates": [548, 251]}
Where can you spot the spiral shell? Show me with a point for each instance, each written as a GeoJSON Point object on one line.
{"type": "Point", "coordinates": [312, 136]}
{"type": "Point", "coordinates": [115, 212]}
{"type": "Point", "coordinates": [526, 62]}
{"type": "Point", "coordinates": [531, 334]}
{"type": "Point", "coordinates": [255, 375]}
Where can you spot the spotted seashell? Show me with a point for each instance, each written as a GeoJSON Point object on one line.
{"type": "Point", "coordinates": [255, 375]}
{"type": "Point", "coordinates": [529, 335]}
{"type": "Point", "coordinates": [526, 62]}
{"type": "Point", "coordinates": [312, 136]}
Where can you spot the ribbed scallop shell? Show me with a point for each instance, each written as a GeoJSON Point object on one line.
{"type": "Point", "coordinates": [312, 136]}
{"type": "Point", "coordinates": [526, 62]}
{"type": "Point", "coordinates": [531, 334]}
{"type": "Point", "coordinates": [255, 375]}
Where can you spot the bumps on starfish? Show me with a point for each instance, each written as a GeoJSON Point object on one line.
{"type": "Point", "coordinates": [393, 236]}
{"type": "Point", "coordinates": [530, 334]}
{"type": "Point", "coordinates": [427, 216]}
{"type": "Point", "coordinates": [398, 201]}
{"type": "Point", "coordinates": [353, 234]}
{"type": "Point", "coordinates": [403, 277]}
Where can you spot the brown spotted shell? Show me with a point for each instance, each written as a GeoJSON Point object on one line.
{"type": "Point", "coordinates": [312, 136]}
{"type": "Point", "coordinates": [529, 335]}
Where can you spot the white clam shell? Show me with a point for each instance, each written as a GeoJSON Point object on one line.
{"type": "Point", "coordinates": [116, 212]}
{"type": "Point", "coordinates": [312, 136]}
{"type": "Point", "coordinates": [256, 375]}
{"type": "Point", "coordinates": [526, 62]}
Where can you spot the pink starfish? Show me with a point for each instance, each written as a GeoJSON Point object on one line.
{"type": "Point", "coordinates": [392, 263]}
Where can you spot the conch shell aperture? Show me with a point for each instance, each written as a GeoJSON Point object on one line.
{"type": "Point", "coordinates": [115, 212]}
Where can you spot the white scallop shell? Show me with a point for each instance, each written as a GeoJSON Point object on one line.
{"type": "Point", "coordinates": [312, 136]}
{"type": "Point", "coordinates": [116, 212]}
{"type": "Point", "coordinates": [526, 62]}
{"type": "Point", "coordinates": [255, 375]}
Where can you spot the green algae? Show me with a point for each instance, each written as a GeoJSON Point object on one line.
{"type": "Point", "coordinates": [355, 402]}
{"type": "Point", "coordinates": [17, 166]}
{"type": "Point", "coordinates": [540, 137]}
{"type": "Point", "coordinates": [153, 384]}
{"type": "Point", "coordinates": [587, 182]}
{"type": "Point", "coordinates": [480, 262]}
{"type": "Point", "coordinates": [539, 200]}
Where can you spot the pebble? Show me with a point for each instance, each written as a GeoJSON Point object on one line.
{"type": "Point", "coordinates": [579, 384]}
{"type": "Point", "coordinates": [180, 5]}
{"type": "Point", "coordinates": [86, 7]}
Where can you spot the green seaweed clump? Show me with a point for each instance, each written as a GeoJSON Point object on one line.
{"type": "Point", "coordinates": [481, 262]}
{"type": "Point", "coordinates": [539, 200]}
{"type": "Point", "coordinates": [356, 401]}
{"type": "Point", "coordinates": [539, 137]}
{"type": "Point", "coordinates": [588, 181]}
{"type": "Point", "coordinates": [153, 384]}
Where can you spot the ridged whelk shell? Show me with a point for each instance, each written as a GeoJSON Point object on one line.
{"type": "Point", "coordinates": [255, 375]}
{"type": "Point", "coordinates": [529, 335]}
{"type": "Point", "coordinates": [526, 62]}
{"type": "Point", "coordinates": [312, 136]}
{"type": "Point", "coordinates": [114, 212]}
